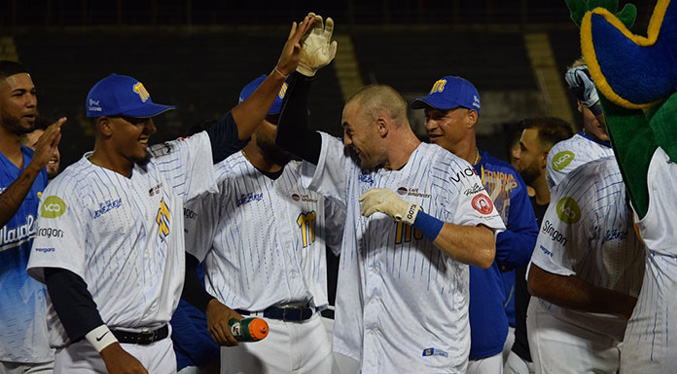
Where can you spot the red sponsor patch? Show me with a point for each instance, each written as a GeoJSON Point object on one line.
{"type": "Point", "coordinates": [482, 203]}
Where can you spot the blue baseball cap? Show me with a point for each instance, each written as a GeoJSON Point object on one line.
{"type": "Point", "coordinates": [249, 89]}
{"type": "Point", "coordinates": [448, 93]}
{"type": "Point", "coordinates": [122, 95]}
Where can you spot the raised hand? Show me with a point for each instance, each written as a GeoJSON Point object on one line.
{"type": "Point", "coordinates": [289, 58]}
{"type": "Point", "coordinates": [47, 145]}
{"type": "Point", "coordinates": [318, 48]}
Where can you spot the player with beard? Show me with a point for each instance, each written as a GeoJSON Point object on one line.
{"type": "Point", "coordinates": [23, 336]}
{"type": "Point", "coordinates": [537, 138]}
{"type": "Point", "coordinates": [263, 228]}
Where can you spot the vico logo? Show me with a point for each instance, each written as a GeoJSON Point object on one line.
{"type": "Point", "coordinates": [52, 207]}
{"type": "Point", "coordinates": [568, 210]}
{"type": "Point", "coordinates": [562, 159]}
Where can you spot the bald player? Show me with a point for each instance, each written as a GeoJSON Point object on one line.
{"type": "Point", "coordinates": [589, 144]}
{"type": "Point", "coordinates": [264, 228]}
{"type": "Point", "coordinates": [110, 243]}
{"type": "Point", "coordinates": [402, 297]}
{"type": "Point", "coordinates": [585, 274]}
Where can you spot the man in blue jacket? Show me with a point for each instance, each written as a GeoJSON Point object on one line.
{"type": "Point", "coordinates": [452, 111]}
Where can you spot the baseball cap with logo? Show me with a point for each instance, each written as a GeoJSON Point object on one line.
{"type": "Point", "coordinates": [448, 93]}
{"type": "Point", "coordinates": [122, 95]}
{"type": "Point", "coordinates": [249, 89]}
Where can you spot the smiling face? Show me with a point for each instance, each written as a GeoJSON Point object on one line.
{"type": "Point", "coordinates": [129, 137]}
{"type": "Point", "coordinates": [448, 128]}
{"type": "Point", "coordinates": [18, 104]}
{"type": "Point", "coordinates": [360, 135]}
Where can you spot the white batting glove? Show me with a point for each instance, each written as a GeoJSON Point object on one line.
{"type": "Point", "coordinates": [317, 50]}
{"type": "Point", "coordinates": [386, 201]}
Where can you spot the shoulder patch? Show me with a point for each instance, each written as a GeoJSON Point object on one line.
{"type": "Point", "coordinates": [52, 207]}
{"type": "Point", "coordinates": [562, 159]}
{"type": "Point", "coordinates": [568, 210]}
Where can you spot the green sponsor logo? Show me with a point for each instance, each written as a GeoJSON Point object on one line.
{"type": "Point", "coordinates": [52, 207]}
{"type": "Point", "coordinates": [562, 159]}
{"type": "Point", "coordinates": [568, 210]}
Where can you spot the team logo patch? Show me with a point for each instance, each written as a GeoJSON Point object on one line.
{"type": "Point", "coordinates": [52, 207]}
{"type": "Point", "coordinates": [428, 352]}
{"type": "Point", "coordinates": [562, 159]}
{"type": "Point", "coordinates": [482, 203]}
{"type": "Point", "coordinates": [568, 210]}
{"type": "Point", "coordinates": [296, 197]}
{"type": "Point", "coordinates": [402, 190]}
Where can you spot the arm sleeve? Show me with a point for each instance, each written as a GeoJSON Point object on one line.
{"type": "Point", "coordinates": [515, 245]}
{"type": "Point", "coordinates": [223, 137]}
{"type": "Point", "coordinates": [72, 302]}
{"type": "Point", "coordinates": [193, 290]}
{"type": "Point", "coordinates": [292, 129]}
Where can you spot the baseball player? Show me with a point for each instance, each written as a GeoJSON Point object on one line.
{"type": "Point", "coordinates": [23, 335]}
{"type": "Point", "coordinates": [592, 142]}
{"type": "Point", "coordinates": [585, 275]}
{"type": "Point", "coordinates": [403, 286]}
{"type": "Point", "coordinates": [110, 244]}
{"type": "Point", "coordinates": [263, 228]}
{"type": "Point", "coordinates": [536, 139]}
{"type": "Point", "coordinates": [452, 110]}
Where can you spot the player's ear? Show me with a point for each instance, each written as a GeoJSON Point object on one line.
{"type": "Point", "coordinates": [382, 126]}
{"type": "Point", "coordinates": [104, 125]}
{"type": "Point", "coordinates": [472, 118]}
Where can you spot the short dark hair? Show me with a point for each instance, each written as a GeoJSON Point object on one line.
{"type": "Point", "coordinates": [551, 130]}
{"type": "Point", "coordinates": [9, 68]}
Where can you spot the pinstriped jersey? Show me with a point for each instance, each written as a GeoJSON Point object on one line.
{"type": "Point", "coordinates": [23, 331]}
{"type": "Point", "coordinates": [587, 231]}
{"type": "Point", "coordinates": [263, 240]}
{"type": "Point", "coordinates": [650, 344]}
{"type": "Point", "coordinates": [123, 235]}
{"type": "Point", "coordinates": [571, 153]}
{"type": "Point", "coordinates": [402, 304]}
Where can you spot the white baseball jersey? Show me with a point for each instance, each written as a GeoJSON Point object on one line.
{"type": "Point", "coordinates": [123, 236]}
{"type": "Point", "coordinates": [650, 345]}
{"type": "Point", "coordinates": [587, 231]}
{"type": "Point", "coordinates": [402, 304]}
{"type": "Point", "coordinates": [262, 239]}
{"type": "Point", "coordinates": [571, 153]}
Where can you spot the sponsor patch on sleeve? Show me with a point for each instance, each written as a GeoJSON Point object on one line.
{"type": "Point", "coordinates": [52, 207]}
{"type": "Point", "coordinates": [482, 203]}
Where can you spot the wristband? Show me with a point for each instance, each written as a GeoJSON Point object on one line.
{"type": "Point", "coordinates": [100, 338]}
{"type": "Point", "coordinates": [428, 225]}
{"type": "Point", "coordinates": [279, 72]}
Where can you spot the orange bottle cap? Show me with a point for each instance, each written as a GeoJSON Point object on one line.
{"type": "Point", "coordinates": [258, 328]}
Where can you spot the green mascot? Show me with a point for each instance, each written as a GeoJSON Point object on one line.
{"type": "Point", "coordinates": [636, 77]}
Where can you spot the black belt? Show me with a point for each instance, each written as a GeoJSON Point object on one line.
{"type": "Point", "coordinates": [283, 314]}
{"type": "Point", "coordinates": [141, 338]}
